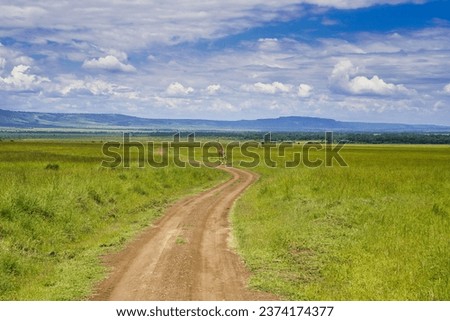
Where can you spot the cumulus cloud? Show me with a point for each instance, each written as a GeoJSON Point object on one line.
{"type": "Point", "coordinates": [212, 89]}
{"type": "Point", "coordinates": [94, 87]}
{"type": "Point", "coordinates": [304, 90]}
{"type": "Point", "coordinates": [273, 88]}
{"type": "Point", "coordinates": [244, 69]}
{"type": "Point", "coordinates": [108, 63]}
{"type": "Point", "coordinates": [20, 79]}
{"type": "Point", "coordinates": [177, 89]}
{"type": "Point", "coordinates": [341, 79]}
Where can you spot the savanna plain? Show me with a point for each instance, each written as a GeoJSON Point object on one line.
{"type": "Point", "coordinates": [377, 229]}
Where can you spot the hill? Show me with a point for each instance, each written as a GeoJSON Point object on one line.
{"type": "Point", "coordinates": [35, 120]}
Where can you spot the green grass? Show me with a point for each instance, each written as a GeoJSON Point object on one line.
{"type": "Point", "coordinates": [60, 211]}
{"type": "Point", "coordinates": [376, 230]}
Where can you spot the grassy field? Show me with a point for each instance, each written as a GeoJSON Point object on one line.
{"type": "Point", "coordinates": [376, 230]}
{"type": "Point", "coordinates": [60, 211]}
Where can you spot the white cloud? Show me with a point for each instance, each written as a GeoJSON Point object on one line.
{"type": "Point", "coordinates": [245, 70]}
{"type": "Point", "coordinates": [374, 85]}
{"type": "Point", "coordinates": [19, 79]}
{"type": "Point", "coordinates": [13, 57]}
{"type": "Point", "coordinates": [120, 55]}
{"type": "Point", "coordinates": [177, 89]}
{"type": "Point", "coordinates": [136, 24]}
{"type": "Point", "coordinates": [21, 16]}
{"type": "Point", "coordinates": [304, 90]}
{"type": "Point", "coordinates": [354, 4]}
{"type": "Point", "coordinates": [219, 106]}
{"type": "Point", "coordinates": [268, 44]}
{"type": "Point", "coordinates": [341, 78]}
{"type": "Point", "coordinates": [265, 88]}
{"type": "Point", "coordinates": [71, 86]}
{"type": "Point", "coordinates": [439, 105]}
{"type": "Point", "coordinates": [108, 63]}
{"type": "Point", "coordinates": [447, 89]}
{"type": "Point", "coordinates": [332, 47]}
{"type": "Point", "coordinates": [212, 89]}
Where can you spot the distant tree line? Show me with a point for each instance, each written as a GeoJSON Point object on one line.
{"type": "Point", "coordinates": [369, 138]}
{"type": "Point", "coordinates": [350, 138]}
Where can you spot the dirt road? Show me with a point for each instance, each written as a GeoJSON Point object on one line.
{"type": "Point", "coordinates": [186, 254]}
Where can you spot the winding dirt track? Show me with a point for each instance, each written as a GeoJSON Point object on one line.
{"type": "Point", "coordinates": [185, 255]}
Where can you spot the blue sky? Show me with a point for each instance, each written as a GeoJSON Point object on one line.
{"type": "Point", "coordinates": [360, 60]}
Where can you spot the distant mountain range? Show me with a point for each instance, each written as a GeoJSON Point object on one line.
{"type": "Point", "coordinates": [34, 120]}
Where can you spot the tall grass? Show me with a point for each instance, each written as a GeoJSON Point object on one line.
{"type": "Point", "coordinates": [377, 230]}
{"type": "Point", "coordinates": [59, 211]}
